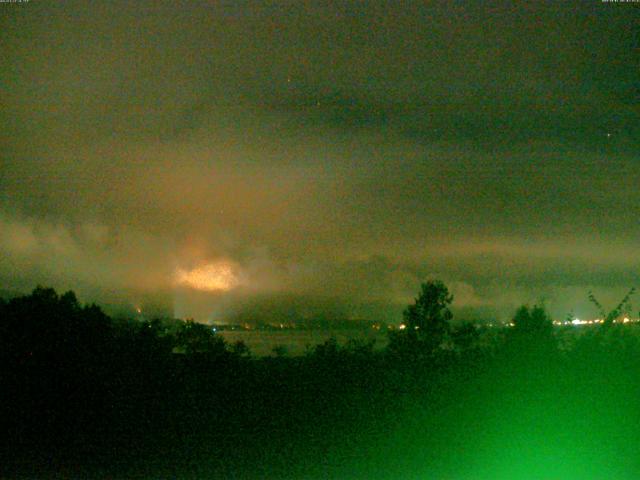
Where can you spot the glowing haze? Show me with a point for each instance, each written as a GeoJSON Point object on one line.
{"type": "Point", "coordinates": [219, 276]}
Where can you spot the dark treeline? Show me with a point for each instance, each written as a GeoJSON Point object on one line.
{"type": "Point", "coordinates": [85, 396]}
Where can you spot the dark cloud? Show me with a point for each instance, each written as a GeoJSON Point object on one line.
{"type": "Point", "coordinates": [343, 151]}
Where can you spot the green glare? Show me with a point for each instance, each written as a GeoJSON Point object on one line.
{"type": "Point", "coordinates": [571, 417]}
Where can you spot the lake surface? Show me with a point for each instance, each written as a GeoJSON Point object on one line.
{"type": "Point", "coordinates": [262, 343]}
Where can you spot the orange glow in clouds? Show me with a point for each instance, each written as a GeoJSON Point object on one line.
{"type": "Point", "coordinates": [212, 277]}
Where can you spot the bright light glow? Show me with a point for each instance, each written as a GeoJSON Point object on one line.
{"type": "Point", "coordinates": [218, 276]}
{"type": "Point", "coordinates": [402, 326]}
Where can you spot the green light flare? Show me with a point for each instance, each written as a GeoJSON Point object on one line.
{"type": "Point", "coordinates": [542, 422]}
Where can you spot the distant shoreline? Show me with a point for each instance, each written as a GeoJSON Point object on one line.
{"type": "Point", "coordinates": [262, 343]}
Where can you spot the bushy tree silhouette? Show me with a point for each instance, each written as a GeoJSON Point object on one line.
{"type": "Point", "coordinates": [426, 321]}
{"type": "Point", "coordinates": [46, 327]}
{"type": "Point", "coordinates": [532, 334]}
{"type": "Point", "coordinates": [535, 321]}
{"type": "Point", "coordinates": [429, 315]}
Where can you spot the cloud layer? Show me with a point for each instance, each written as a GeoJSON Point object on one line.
{"type": "Point", "coordinates": [339, 154]}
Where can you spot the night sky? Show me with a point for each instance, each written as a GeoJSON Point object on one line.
{"type": "Point", "coordinates": [320, 158]}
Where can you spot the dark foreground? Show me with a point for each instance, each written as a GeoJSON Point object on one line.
{"type": "Point", "coordinates": [83, 396]}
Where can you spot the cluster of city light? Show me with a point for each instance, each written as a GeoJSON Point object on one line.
{"type": "Point", "coordinates": [558, 323]}
{"type": "Point", "coordinates": [402, 326]}
{"type": "Point", "coordinates": [577, 321]}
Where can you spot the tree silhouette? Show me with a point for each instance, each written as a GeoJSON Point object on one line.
{"type": "Point", "coordinates": [429, 315]}
{"type": "Point", "coordinates": [426, 321]}
{"type": "Point", "coordinates": [531, 336]}
{"type": "Point", "coordinates": [532, 321]}
{"type": "Point", "coordinates": [47, 327]}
